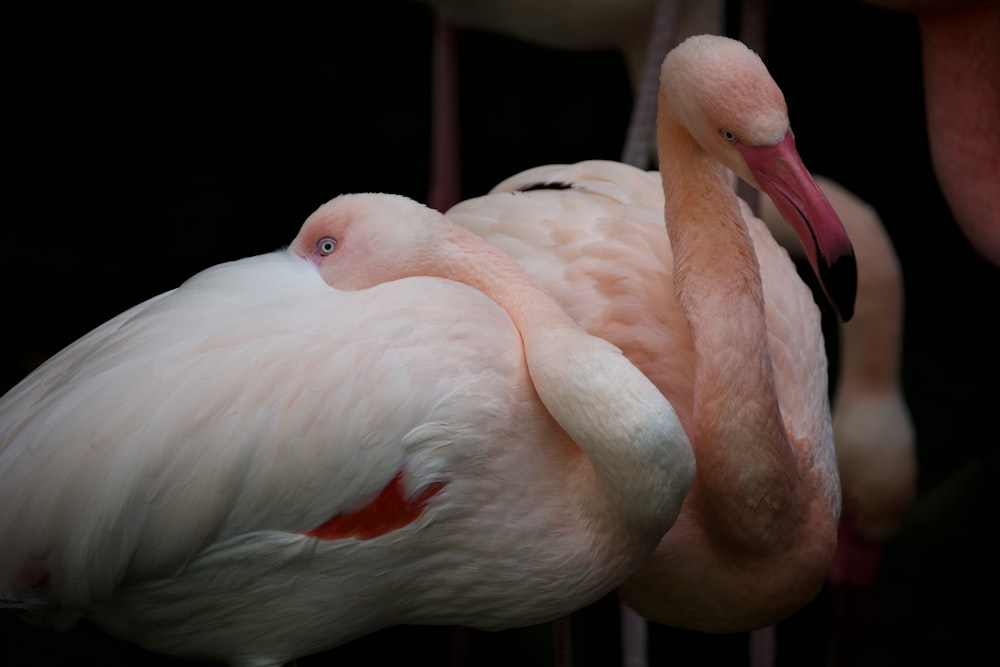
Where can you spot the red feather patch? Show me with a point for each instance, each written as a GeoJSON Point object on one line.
{"type": "Point", "coordinates": [388, 512]}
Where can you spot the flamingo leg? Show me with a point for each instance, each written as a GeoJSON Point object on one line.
{"type": "Point", "coordinates": [445, 188]}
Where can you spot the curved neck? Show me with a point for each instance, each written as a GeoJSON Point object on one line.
{"type": "Point", "coordinates": [640, 455]}
{"type": "Point", "coordinates": [745, 459]}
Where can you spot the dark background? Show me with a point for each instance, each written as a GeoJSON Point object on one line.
{"type": "Point", "coordinates": [142, 146]}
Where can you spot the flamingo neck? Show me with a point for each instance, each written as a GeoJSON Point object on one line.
{"type": "Point", "coordinates": [742, 448]}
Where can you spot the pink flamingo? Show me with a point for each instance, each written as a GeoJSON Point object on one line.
{"type": "Point", "coordinates": [713, 311]}
{"type": "Point", "coordinates": [389, 422]}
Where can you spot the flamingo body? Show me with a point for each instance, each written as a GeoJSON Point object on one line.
{"type": "Point", "coordinates": [714, 312]}
{"type": "Point", "coordinates": [289, 451]}
{"type": "Point", "coordinates": [601, 249]}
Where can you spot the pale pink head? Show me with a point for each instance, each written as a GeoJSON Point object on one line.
{"type": "Point", "coordinates": [725, 97]}
{"type": "Point", "coordinates": [361, 240]}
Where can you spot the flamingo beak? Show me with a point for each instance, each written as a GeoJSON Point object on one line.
{"type": "Point", "coordinates": [782, 175]}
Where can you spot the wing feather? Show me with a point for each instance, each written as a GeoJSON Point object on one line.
{"type": "Point", "coordinates": [253, 397]}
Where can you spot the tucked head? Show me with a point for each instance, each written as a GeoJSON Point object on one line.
{"type": "Point", "coordinates": [361, 240]}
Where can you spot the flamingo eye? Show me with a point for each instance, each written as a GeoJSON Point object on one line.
{"type": "Point", "coordinates": [728, 136]}
{"type": "Point", "coordinates": [326, 245]}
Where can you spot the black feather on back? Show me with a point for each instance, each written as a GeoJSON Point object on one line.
{"type": "Point", "coordinates": [546, 186]}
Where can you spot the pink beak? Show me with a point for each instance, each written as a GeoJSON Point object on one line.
{"type": "Point", "coordinates": [782, 175]}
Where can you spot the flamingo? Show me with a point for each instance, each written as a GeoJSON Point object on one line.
{"type": "Point", "coordinates": [386, 422]}
{"type": "Point", "coordinates": [713, 311]}
{"type": "Point", "coordinates": [642, 31]}
{"type": "Point", "coordinates": [871, 422]}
